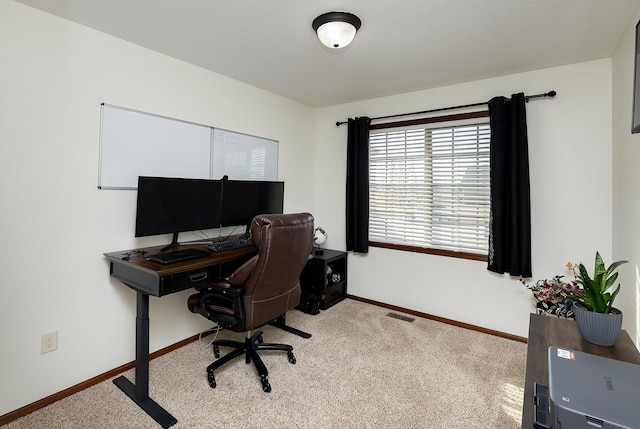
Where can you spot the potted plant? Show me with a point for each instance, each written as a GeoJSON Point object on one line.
{"type": "Point", "coordinates": [599, 322]}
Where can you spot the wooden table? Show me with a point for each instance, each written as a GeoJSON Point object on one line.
{"type": "Point", "coordinates": [545, 331]}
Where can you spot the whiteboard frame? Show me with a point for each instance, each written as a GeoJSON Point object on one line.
{"type": "Point", "coordinates": [124, 147]}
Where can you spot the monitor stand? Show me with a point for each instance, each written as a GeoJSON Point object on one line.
{"type": "Point", "coordinates": [174, 243]}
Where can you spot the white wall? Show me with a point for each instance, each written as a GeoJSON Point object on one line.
{"type": "Point", "coordinates": [626, 177]}
{"type": "Point", "coordinates": [56, 224]}
{"type": "Point", "coordinates": [570, 166]}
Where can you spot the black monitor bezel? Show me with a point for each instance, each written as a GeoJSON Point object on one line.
{"type": "Point", "coordinates": [148, 223]}
{"type": "Point", "coordinates": [270, 200]}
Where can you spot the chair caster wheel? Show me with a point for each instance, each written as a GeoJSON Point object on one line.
{"type": "Point", "coordinates": [292, 358]}
{"type": "Point", "coordinates": [211, 379]}
{"type": "Point", "coordinates": [266, 387]}
{"type": "Point", "coordinates": [260, 339]}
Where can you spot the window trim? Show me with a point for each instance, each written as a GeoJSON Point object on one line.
{"type": "Point", "coordinates": [431, 120]}
{"type": "Point", "coordinates": [431, 250]}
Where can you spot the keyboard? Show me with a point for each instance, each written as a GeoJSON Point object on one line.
{"type": "Point", "coordinates": [178, 255]}
{"type": "Point", "coordinates": [236, 243]}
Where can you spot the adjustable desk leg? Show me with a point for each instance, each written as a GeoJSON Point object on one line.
{"type": "Point", "coordinates": [139, 392]}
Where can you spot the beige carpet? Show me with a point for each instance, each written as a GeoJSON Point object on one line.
{"type": "Point", "coordinates": [361, 369]}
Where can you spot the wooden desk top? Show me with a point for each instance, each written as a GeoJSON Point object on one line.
{"type": "Point", "coordinates": [138, 260]}
{"type": "Point", "coordinates": [153, 278]}
{"type": "Point", "coordinates": [545, 331]}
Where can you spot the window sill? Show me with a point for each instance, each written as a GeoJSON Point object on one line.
{"type": "Point", "coordinates": [439, 252]}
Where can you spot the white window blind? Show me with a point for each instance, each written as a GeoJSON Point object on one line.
{"type": "Point", "coordinates": [429, 186]}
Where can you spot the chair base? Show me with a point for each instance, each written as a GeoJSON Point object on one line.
{"type": "Point", "coordinates": [249, 348]}
{"type": "Point", "coordinates": [281, 322]}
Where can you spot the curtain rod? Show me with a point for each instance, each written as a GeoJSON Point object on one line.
{"type": "Point", "coordinates": [527, 98]}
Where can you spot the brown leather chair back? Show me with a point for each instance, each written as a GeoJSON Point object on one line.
{"type": "Point", "coordinates": [272, 286]}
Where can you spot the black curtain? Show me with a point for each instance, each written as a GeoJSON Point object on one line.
{"type": "Point", "coordinates": [510, 218]}
{"type": "Point", "coordinates": [357, 213]}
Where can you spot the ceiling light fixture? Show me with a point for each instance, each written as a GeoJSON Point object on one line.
{"type": "Point", "coordinates": [336, 29]}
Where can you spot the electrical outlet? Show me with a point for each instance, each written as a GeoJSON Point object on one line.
{"type": "Point", "coordinates": [49, 342]}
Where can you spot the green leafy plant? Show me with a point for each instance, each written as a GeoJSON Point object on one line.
{"type": "Point", "coordinates": [596, 294]}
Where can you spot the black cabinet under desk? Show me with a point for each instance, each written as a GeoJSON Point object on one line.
{"type": "Point", "coordinates": [326, 274]}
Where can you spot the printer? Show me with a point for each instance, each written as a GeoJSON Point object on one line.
{"type": "Point", "coordinates": [591, 392]}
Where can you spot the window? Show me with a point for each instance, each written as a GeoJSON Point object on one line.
{"type": "Point", "coordinates": [429, 185]}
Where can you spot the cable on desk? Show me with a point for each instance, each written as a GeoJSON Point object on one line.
{"type": "Point", "coordinates": [126, 256]}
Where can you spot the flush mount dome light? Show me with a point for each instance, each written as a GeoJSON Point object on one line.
{"type": "Point", "coordinates": [336, 29]}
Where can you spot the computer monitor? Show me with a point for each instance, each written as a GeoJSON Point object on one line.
{"type": "Point", "coordinates": [167, 205]}
{"type": "Point", "coordinates": [242, 200]}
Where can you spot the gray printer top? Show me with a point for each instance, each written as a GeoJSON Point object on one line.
{"type": "Point", "coordinates": [595, 386]}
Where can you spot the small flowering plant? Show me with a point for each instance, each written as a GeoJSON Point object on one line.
{"type": "Point", "coordinates": [554, 296]}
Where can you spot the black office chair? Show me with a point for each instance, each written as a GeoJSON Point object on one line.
{"type": "Point", "coordinates": [261, 290]}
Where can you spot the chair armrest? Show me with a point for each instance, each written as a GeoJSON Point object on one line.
{"type": "Point", "coordinates": [222, 303]}
{"type": "Point", "coordinates": [221, 288]}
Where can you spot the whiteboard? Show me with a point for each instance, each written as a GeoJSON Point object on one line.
{"type": "Point", "coordinates": [244, 157]}
{"type": "Point", "coordinates": [134, 143]}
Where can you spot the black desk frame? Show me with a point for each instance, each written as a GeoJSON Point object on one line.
{"type": "Point", "coordinates": [151, 278]}
{"type": "Point", "coordinates": [139, 392]}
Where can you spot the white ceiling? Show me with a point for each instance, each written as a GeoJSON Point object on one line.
{"type": "Point", "coordinates": [402, 46]}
